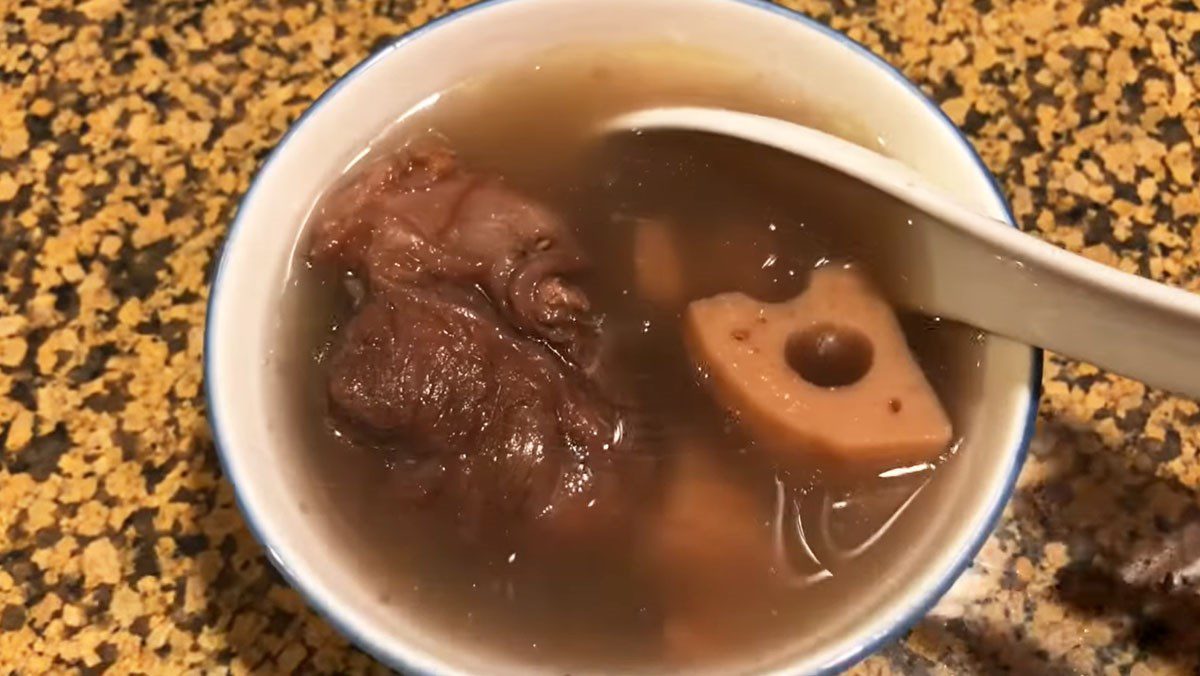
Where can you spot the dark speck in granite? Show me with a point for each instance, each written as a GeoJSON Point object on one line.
{"type": "Point", "coordinates": [12, 618]}
{"type": "Point", "coordinates": [128, 130]}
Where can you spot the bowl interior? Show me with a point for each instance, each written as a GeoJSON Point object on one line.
{"type": "Point", "coordinates": [837, 78]}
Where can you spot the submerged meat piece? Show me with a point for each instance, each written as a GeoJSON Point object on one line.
{"type": "Point", "coordinates": [827, 372]}
{"type": "Point", "coordinates": [460, 353]}
{"type": "Point", "coordinates": [710, 528]}
{"type": "Point", "coordinates": [656, 263]}
{"type": "Point", "coordinates": [418, 216]}
{"type": "Point", "coordinates": [710, 541]}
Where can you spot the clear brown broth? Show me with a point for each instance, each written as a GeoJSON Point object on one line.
{"type": "Point", "coordinates": [756, 222]}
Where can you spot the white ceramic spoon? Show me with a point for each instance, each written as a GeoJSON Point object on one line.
{"type": "Point", "coordinates": [977, 270]}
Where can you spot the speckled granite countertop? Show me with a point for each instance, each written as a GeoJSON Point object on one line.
{"type": "Point", "coordinates": [128, 129]}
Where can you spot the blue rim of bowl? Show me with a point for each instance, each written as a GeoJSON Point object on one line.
{"type": "Point", "coordinates": [965, 556]}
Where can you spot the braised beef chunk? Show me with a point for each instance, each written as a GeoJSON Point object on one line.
{"type": "Point", "coordinates": [417, 217]}
{"type": "Point", "coordinates": [465, 351]}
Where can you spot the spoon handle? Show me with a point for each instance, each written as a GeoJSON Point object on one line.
{"type": "Point", "coordinates": [1018, 286]}
{"type": "Point", "coordinates": [963, 265]}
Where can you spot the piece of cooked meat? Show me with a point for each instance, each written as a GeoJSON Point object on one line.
{"type": "Point", "coordinates": [466, 350]}
{"type": "Point", "coordinates": [417, 217]}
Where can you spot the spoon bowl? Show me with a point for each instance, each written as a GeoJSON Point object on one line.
{"type": "Point", "coordinates": [995, 278]}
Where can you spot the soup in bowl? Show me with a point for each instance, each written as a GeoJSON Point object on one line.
{"type": "Point", "coordinates": [500, 392]}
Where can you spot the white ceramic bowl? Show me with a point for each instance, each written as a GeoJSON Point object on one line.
{"type": "Point", "coordinates": [836, 75]}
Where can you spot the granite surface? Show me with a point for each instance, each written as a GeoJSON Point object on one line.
{"type": "Point", "coordinates": [128, 129]}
